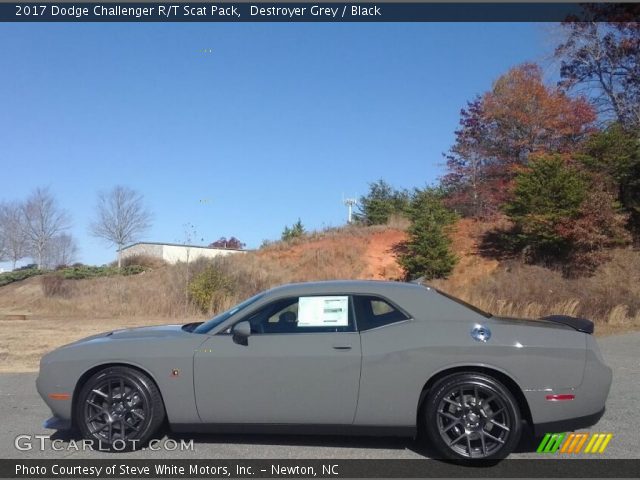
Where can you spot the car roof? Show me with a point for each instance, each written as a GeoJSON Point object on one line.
{"type": "Point", "coordinates": [344, 286]}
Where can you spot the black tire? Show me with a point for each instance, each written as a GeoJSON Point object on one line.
{"type": "Point", "coordinates": [472, 416]}
{"type": "Point", "coordinates": [119, 409]}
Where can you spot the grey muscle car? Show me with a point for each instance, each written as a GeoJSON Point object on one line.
{"type": "Point", "coordinates": [335, 357]}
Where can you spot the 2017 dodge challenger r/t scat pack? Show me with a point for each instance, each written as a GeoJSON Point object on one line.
{"type": "Point", "coordinates": [338, 356]}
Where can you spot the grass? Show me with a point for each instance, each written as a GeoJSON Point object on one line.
{"type": "Point", "coordinates": [610, 298]}
{"type": "Point", "coordinates": [23, 342]}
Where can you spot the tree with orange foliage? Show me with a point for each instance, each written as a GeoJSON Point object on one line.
{"type": "Point", "coordinates": [518, 119]}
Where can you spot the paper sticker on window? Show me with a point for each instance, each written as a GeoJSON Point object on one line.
{"type": "Point", "coordinates": [323, 311]}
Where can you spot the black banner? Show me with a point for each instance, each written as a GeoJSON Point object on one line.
{"type": "Point", "coordinates": [310, 12]}
{"type": "Point", "coordinates": [542, 468]}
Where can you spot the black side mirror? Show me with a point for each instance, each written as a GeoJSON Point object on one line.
{"type": "Point", "coordinates": [241, 333]}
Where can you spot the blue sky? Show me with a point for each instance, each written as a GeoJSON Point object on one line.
{"type": "Point", "coordinates": [274, 124]}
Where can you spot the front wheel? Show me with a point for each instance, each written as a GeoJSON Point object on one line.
{"type": "Point", "coordinates": [472, 416]}
{"type": "Point", "coordinates": [119, 408]}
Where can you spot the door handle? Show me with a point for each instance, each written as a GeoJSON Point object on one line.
{"type": "Point", "coordinates": [342, 347]}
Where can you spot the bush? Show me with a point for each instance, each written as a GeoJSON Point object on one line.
{"type": "Point", "coordinates": [145, 261]}
{"type": "Point", "coordinates": [54, 285]}
{"type": "Point", "coordinates": [79, 273]}
{"type": "Point", "coordinates": [17, 275]}
{"type": "Point", "coordinates": [209, 289]}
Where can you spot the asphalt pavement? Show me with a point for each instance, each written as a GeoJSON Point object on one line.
{"type": "Point", "coordinates": [22, 413]}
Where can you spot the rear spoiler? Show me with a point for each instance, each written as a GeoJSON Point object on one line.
{"type": "Point", "coordinates": [579, 324]}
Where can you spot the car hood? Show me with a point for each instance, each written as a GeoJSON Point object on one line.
{"type": "Point", "coordinates": [154, 332]}
{"type": "Point", "coordinates": [158, 331]}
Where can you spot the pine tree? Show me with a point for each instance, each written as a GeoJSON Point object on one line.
{"type": "Point", "coordinates": [545, 195]}
{"type": "Point", "coordinates": [427, 251]}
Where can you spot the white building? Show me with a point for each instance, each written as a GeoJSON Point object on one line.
{"type": "Point", "coordinates": [174, 253]}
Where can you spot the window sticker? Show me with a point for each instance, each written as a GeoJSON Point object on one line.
{"type": "Point", "coordinates": [323, 311]}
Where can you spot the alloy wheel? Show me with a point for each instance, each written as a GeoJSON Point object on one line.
{"type": "Point", "coordinates": [473, 420]}
{"type": "Point", "coordinates": [115, 409]}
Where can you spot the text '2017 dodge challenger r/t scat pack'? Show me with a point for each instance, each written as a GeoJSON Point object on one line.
{"type": "Point", "coordinates": [335, 357]}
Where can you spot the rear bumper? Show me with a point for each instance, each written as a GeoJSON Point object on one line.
{"type": "Point", "coordinates": [584, 410]}
{"type": "Point", "coordinates": [568, 425]}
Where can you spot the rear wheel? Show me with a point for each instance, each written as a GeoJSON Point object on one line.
{"type": "Point", "coordinates": [472, 416]}
{"type": "Point", "coordinates": [119, 408]}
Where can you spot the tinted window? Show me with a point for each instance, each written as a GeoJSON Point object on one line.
{"type": "Point", "coordinates": [330, 313]}
{"type": "Point", "coordinates": [373, 312]}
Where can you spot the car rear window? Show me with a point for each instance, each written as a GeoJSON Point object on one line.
{"type": "Point", "coordinates": [374, 312]}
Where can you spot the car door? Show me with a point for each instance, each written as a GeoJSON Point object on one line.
{"type": "Point", "coordinates": [301, 364]}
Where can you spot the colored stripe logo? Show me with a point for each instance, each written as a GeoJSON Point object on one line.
{"type": "Point", "coordinates": [573, 443]}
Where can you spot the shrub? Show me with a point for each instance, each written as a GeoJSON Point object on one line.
{"type": "Point", "coordinates": [17, 275]}
{"type": "Point", "coordinates": [78, 273]}
{"type": "Point", "coordinates": [145, 261]}
{"type": "Point", "coordinates": [209, 289]}
{"type": "Point", "coordinates": [53, 285]}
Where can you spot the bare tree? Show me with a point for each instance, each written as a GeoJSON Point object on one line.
{"type": "Point", "coordinates": [3, 247]}
{"type": "Point", "coordinates": [62, 250]}
{"type": "Point", "coordinates": [13, 236]}
{"type": "Point", "coordinates": [44, 219]}
{"type": "Point", "coordinates": [603, 60]}
{"type": "Point", "coordinates": [121, 217]}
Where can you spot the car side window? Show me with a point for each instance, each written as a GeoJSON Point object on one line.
{"type": "Point", "coordinates": [373, 312]}
{"type": "Point", "coordinates": [310, 314]}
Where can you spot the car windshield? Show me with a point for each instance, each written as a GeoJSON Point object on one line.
{"type": "Point", "coordinates": [218, 319]}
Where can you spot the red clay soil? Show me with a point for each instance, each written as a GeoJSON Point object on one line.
{"type": "Point", "coordinates": [380, 260]}
{"type": "Point", "coordinates": [379, 257]}
{"type": "Point", "coordinates": [471, 267]}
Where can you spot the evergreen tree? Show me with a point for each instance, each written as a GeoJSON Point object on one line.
{"type": "Point", "coordinates": [297, 230]}
{"type": "Point", "coordinates": [380, 203]}
{"type": "Point", "coordinates": [427, 251]}
{"type": "Point", "coordinates": [544, 196]}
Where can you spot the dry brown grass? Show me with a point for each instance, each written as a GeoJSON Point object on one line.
{"type": "Point", "coordinates": [611, 297]}
{"type": "Point", "coordinates": [23, 342]}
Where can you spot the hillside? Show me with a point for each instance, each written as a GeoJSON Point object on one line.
{"type": "Point", "coordinates": [32, 323]}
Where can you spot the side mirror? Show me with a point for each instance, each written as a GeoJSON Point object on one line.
{"type": "Point", "coordinates": [241, 333]}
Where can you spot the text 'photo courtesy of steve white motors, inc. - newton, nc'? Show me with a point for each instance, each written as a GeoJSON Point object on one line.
{"type": "Point", "coordinates": [223, 12]}
{"type": "Point", "coordinates": [171, 470]}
